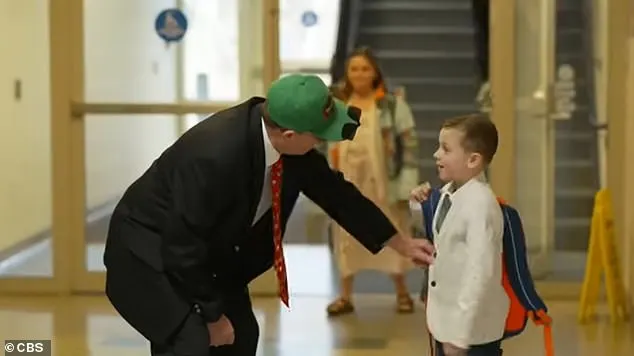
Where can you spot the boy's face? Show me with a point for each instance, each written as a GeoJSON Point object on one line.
{"type": "Point", "coordinates": [454, 164]}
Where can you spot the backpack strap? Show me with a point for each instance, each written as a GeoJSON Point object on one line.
{"type": "Point", "coordinates": [519, 275]}
{"type": "Point", "coordinates": [429, 207]}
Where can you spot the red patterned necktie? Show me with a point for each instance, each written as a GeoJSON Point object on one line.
{"type": "Point", "coordinates": [280, 267]}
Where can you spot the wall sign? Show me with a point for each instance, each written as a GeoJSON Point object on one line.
{"type": "Point", "coordinates": [171, 25]}
{"type": "Point", "coordinates": [309, 18]}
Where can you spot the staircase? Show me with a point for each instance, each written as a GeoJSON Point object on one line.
{"type": "Point", "coordinates": [576, 163]}
{"type": "Point", "coordinates": [425, 46]}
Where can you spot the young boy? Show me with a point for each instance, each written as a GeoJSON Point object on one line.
{"type": "Point", "coordinates": [466, 303]}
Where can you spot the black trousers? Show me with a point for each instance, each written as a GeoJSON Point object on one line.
{"type": "Point", "coordinates": [192, 339]}
{"type": "Point", "coordinates": [480, 11]}
{"type": "Point", "coordinates": [490, 349]}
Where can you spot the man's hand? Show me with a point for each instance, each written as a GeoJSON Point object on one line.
{"type": "Point", "coordinates": [420, 193]}
{"type": "Point", "coordinates": [420, 251]}
{"type": "Point", "coordinates": [453, 350]}
{"type": "Point", "coordinates": [221, 332]}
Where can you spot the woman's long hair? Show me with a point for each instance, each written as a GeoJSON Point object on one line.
{"type": "Point", "coordinates": [343, 90]}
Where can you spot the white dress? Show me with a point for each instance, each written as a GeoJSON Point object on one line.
{"type": "Point", "coordinates": [362, 163]}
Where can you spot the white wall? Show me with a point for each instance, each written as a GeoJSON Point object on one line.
{"type": "Point", "coordinates": [125, 61]}
{"type": "Point", "coordinates": [25, 168]}
{"type": "Point", "coordinates": [211, 48]}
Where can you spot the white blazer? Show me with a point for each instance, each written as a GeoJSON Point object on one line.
{"type": "Point", "coordinates": [467, 304]}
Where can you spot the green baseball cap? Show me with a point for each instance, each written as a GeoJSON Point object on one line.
{"type": "Point", "coordinates": [303, 103]}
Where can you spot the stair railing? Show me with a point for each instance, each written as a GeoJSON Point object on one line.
{"type": "Point", "coordinates": [598, 121]}
{"type": "Point", "coordinates": [347, 35]}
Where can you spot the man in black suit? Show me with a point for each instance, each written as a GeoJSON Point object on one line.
{"type": "Point", "coordinates": [206, 218]}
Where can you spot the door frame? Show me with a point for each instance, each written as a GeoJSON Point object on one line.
{"type": "Point", "coordinates": [503, 91]}
{"type": "Point", "coordinates": [68, 111]}
{"type": "Point", "coordinates": [620, 118]}
{"type": "Point", "coordinates": [61, 131]}
{"type": "Point", "coordinates": [620, 13]}
{"type": "Point", "coordinates": [502, 78]}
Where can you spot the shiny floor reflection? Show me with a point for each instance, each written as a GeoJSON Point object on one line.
{"type": "Point", "coordinates": [82, 326]}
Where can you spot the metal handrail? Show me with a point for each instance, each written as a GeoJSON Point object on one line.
{"type": "Point", "coordinates": [355, 21]}
{"type": "Point", "coordinates": [306, 70]}
{"type": "Point", "coordinates": [588, 48]}
{"type": "Point", "coordinates": [347, 36]}
{"type": "Point", "coordinates": [78, 109]}
{"type": "Point", "coordinates": [600, 124]}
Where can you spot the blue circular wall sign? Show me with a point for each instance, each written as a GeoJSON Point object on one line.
{"type": "Point", "coordinates": [309, 18]}
{"type": "Point", "coordinates": [171, 25]}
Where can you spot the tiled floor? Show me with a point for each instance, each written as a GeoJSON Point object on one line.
{"type": "Point", "coordinates": [82, 326]}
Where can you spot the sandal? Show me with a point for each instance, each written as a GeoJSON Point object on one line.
{"type": "Point", "coordinates": [340, 307]}
{"type": "Point", "coordinates": [404, 304]}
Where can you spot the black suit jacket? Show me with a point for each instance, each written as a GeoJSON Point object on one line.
{"type": "Point", "coordinates": [185, 226]}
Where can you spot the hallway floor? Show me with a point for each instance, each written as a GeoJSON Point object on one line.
{"type": "Point", "coordinates": [83, 326]}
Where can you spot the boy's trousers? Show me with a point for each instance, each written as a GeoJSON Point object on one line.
{"type": "Point", "coordinates": [490, 349]}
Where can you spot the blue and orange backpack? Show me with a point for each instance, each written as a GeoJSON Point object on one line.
{"type": "Point", "coordinates": [516, 276]}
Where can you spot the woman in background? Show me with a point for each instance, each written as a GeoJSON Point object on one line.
{"type": "Point", "coordinates": [381, 163]}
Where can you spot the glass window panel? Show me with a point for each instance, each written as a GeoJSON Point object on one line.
{"type": "Point", "coordinates": [299, 42]}
{"type": "Point", "coordinates": [118, 150]}
{"type": "Point", "coordinates": [211, 62]}
{"type": "Point", "coordinates": [125, 60]}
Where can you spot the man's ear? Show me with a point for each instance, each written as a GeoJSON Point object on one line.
{"type": "Point", "coordinates": [289, 134]}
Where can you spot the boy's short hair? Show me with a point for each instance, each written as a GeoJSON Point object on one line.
{"type": "Point", "coordinates": [480, 134]}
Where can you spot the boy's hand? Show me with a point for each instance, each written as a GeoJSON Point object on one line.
{"type": "Point", "coordinates": [452, 350]}
{"type": "Point", "coordinates": [420, 193]}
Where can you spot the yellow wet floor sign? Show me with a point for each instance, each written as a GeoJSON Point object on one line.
{"type": "Point", "coordinates": [602, 261]}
